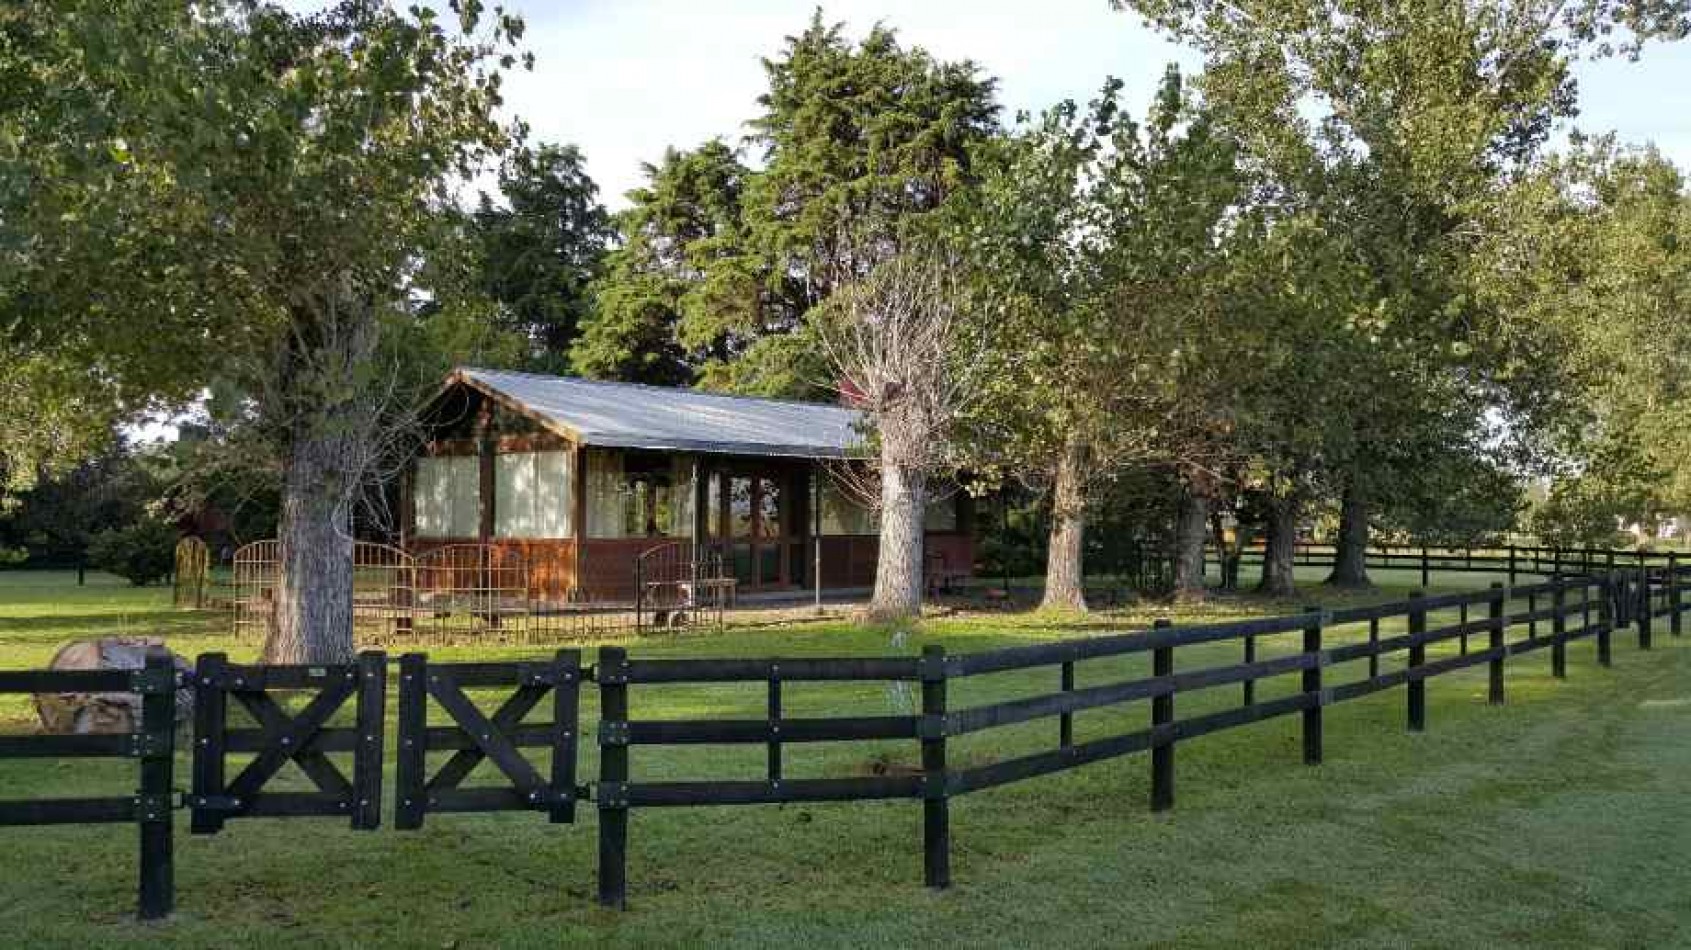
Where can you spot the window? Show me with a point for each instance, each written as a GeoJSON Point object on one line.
{"type": "Point", "coordinates": [635, 495]}
{"type": "Point", "coordinates": [532, 496]}
{"type": "Point", "coordinates": [941, 514]}
{"type": "Point", "coordinates": [842, 513]}
{"type": "Point", "coordinates": [446, 496]}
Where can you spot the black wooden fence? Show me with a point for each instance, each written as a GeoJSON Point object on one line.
{"type": "Point", "coordinates": [154, 801]}
{"type": "Point", "coordinates": [1512, 561]}
{"type": "Point", "coordinates": [1477, 625]}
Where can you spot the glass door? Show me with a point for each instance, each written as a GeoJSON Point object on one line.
{"type": "Point", "coordinates": [748, 521]}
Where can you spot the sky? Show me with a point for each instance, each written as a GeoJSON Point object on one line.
{"type": "Point", "coordinates": [624, 79]}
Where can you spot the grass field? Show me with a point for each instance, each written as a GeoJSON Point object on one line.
{"type": "Point", "coordinates": [1558, 820]}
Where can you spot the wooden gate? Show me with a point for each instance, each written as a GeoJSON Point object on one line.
{"type": "Point", "coordinates": [304, 738]}
{"type": "Point", "coordinates": [474, 736]}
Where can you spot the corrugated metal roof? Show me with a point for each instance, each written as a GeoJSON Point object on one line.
{"type": "Point", "coordinates": [633, 416]}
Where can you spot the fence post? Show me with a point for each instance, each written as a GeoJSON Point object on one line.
{"type": "Point", "coordinates": [566, 724]}
{"type": "Point", "coordinates": [612, 673]}
{"type": "Point", "coordinates": [411, 757]}
{"type": "Point", "coordinates": [1511, 565]}
{"type": "Point", "coordinates": [774, 711]}
{"type": "Point", "coordinates": [1162, 715]}
{"type": "Point", "coordinates": [1494, 613]}
{"type": "Point", "coordinates": [1417, 656]}
{"type": "Point", "coordinates": [1558, 629]}
{"type": "Point", "coordinates": [1312, 687]}
{"type": "Point", "coordinates": [210, 705]}
{"type": "Point", "coordinates": [367, 760]}
{"type": "Point", "coordinates": [153, 805]}
{"type": "Point", "coordinates": [936, 805]}
{"type": "Point", "coordinates": [1250, 685]}
{"type": "Point", "coordinates": [1426, 568]}
{"type": "Point", "coordinates": [1673, 594]}
{"type": "Point", "coordinates": [1644, 606]}
{"type": "Point", "coordinates": [1065, 722]}
{"type": "Point", "coordinates": [1605, 619]}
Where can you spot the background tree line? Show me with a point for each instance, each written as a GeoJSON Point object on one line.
{"type": "Point", "coordinates": [1338, 274]}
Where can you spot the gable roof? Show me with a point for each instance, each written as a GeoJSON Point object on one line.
{"type": "Point", "coordinates": [635, 416]}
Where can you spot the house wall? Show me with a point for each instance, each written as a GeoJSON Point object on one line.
{"type": "Point", "coordinates": [599, 569]}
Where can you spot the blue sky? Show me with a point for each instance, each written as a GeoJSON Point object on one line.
{"type": "Point", "coordinates": [625, 78]}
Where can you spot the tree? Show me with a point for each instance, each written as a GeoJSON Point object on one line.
{"type": "Point", "coordinates": [682, 265]}
{"type": "Point", "coordinates": [542, 248]}
{"type": "Point", "coordinates": [723, 266]}
{"type": "Point", "coordinates": [1590, 265]}
{"type": "Point", "coordinates": [1102, 238]}
{"type": "Point", "coordinates": [1390, 127]}
{"type": "Point", "coordinates": [55, 518]}
{"type": "Point", "coordinates": [234, 191]}
{"type": "Point", "coordinates": [901, 339]}
{"type": "Point", "coordinates": [141, 553]}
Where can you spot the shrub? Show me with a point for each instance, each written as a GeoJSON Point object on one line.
{"type": "Point", "coordinates": [141, 553]}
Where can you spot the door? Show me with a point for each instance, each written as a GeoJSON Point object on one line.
{"type": "Point", "coordinates": [749, 520]}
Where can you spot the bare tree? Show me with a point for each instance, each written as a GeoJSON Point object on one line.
{"type": "Point", "coordinates": [901, 342]}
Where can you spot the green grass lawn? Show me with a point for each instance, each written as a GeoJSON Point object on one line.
{"type": "Point", "coordinates": [1557, 820]}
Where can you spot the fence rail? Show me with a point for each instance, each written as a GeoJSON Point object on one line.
{"type": "Point", "coordinates": [1474, 629]}
{"type": "Point", "coordinates": [1510, 560]}
{"type": "Point", "coordinates": [152, 805]}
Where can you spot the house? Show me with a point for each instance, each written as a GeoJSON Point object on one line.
{"type": "Point", "coordinates": [580, 477]}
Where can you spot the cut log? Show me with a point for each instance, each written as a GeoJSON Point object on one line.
{"type": "Point", "coordinates": [104, 713]}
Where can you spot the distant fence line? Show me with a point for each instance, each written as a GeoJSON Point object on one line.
{"type": "Point", "coordinates": [1511, 560]}
{"type": "Point", "coordinates": [1563, 610]}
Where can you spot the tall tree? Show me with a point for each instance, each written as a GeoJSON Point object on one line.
{"type": "Point", "coordinates": [230, 190]}
{"type": "Point", "coordinates": [1393, 125]}
{"type": "Point", "coordinates": [683, 266]}
{"type": "Point", "coordinates": [541, 247]}
{"type": "Point", "coordinates": [904, 340]}
{"type": "Point", "coordinates": [858, 140]}
{"type": "Point", "coordinates": [1590, 265]}
{"type": "Point", "coordinates": [1101, 238]}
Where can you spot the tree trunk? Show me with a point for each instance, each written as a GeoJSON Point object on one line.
{"type": "Point", "coordinates": [1064, 589]}
{"type": "Point", "coordinates": [313, 605]}
{"type": "Point", "coordinates": [1277, 558]}
{"type": "Point", "coordinates": [1190, 529]}
{"type": "Point", "coordinates": [1350, 561]}
{"type": "Point", "coordinates": [898, 567]}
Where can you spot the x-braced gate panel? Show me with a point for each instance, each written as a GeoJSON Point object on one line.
{"type": "Point", "coordinates": [304, 738]}
{"type": "Point", "coordinates": [475, 736]}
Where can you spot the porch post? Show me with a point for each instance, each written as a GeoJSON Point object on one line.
{"type": "Point", "coordinates": [578, 521]}
{"type": "Point", "coordinates": [484, 458]}
{"type": "Point", "coordinates": [816, 532]}
{"type": "Point", "coordinates": [407, 505]}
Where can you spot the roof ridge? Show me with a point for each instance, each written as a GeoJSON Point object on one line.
{"type": "Point", "coordinates": [687, 390]}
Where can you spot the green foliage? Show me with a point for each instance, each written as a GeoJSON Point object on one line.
{"type": "Point", "coordinates": [1590, 263]}
{"type": "Point", "coordinates": [1095, 242]}
{"type": "Point", "coordinates": [1377, 139]}
{"type": "Point", "coordinates": [141, 553]}
{"type": "Point", "coordinates": [681, 271]}
{"type": "Point", "coordinates": [1457, 499]}
{"type": "Point", "coordinates": [55, 416]}
{"type": "Point", "coordinates": [722, 266]}
{"type": "Point", "coordinates": [237, 193]}
{"type": "Point", "coordinates": [53, 521]}
{"type": "Point", "coordinates": [541, 249]}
